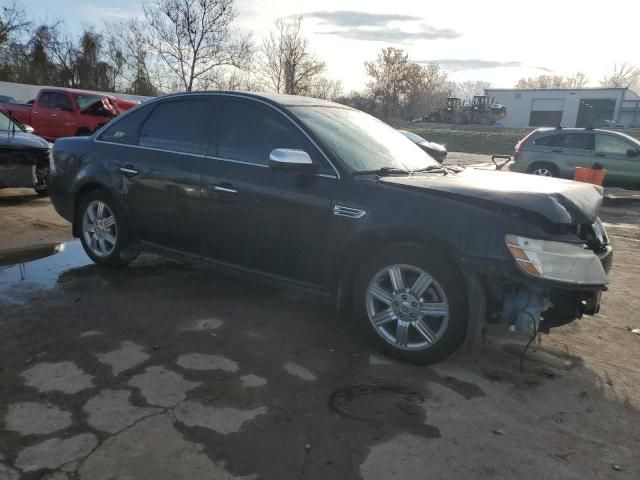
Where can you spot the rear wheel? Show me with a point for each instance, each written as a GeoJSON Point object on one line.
{"type": "Point", "coordinates": [544, 170]}
{"type": "Point", "coordinates": [410, 304]}
{"type": "Point", "coordinates": [104, 232]}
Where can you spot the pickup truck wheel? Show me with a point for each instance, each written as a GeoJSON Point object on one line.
{"type": "Point", "coordinates": [410, 305]}
{"type": "Point", "coordinates": [104, 232]}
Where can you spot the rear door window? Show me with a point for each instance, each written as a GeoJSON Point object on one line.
{"type": "Point", "coordinates": [248, 132]}
{"type": "Point", "coordinates": [611, 145]}
{"type": "Point", "coordinates": [178, 126]}
{"type": "Point", "coordinates": [125, 130]}
{"type": "Point", "coordinates": [576, 141]}
{"type": "Point", "coordinates": [545, 141]}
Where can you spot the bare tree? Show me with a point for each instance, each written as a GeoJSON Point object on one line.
{"type": "Point", "coordinates": [326, 88]}
{"type": "Point", "coordinates": [623, 75]}
{"type": "Point", "coordinates": [577, 80]}
{"type": "Point", "coordinates": [13, 20]}
{"type": "Point", "coordinates": [193, 37]}
{"type": "Point", "coordinates": [403, 88]}
{"type": "Point", "coordinates": [468, 89]}
{"type": "Point", "coordinates": [390, 77]}
{"type": "Point", "coordinates": [134, 69]}
{"type": "Point", "coordinates": [288, 65]}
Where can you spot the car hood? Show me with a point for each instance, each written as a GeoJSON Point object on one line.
{"type": "Point", "coordinates": [560, 201]}
{"type": "Point", "coordinates": [433, 146]}
{"type": "Point", "coordinates": [21, 140]}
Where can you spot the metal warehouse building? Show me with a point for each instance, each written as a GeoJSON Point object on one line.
{"type": "Point", "coordinates": [580, 107]}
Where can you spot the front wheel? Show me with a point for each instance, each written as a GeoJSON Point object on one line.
{"type": "Point", "coordinates": [411, 304]}
{"type": "Point", "coordinates": [104, 232]}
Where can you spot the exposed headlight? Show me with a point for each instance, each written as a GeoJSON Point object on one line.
{"type": "Point", "coordinates": [559, 261]}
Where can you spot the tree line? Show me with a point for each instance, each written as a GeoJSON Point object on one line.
{"type": "Point", "coordinates": [185, 45]}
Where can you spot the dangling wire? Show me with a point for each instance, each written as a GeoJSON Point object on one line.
{"type": "Point", "coordinates": [535, 334]}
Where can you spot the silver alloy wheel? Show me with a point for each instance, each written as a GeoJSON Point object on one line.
{"type": "Point", "coordinates": [543, 172]}
{"type": "Point", "coordinates": [407, 307]}
{"type": "Point", "coordinates": [99, 228]}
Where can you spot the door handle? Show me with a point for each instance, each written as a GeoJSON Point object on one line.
{"type": "Point", "coordinates": [556, 150]}
{"type": "Point", "coordinates": [53, 114]}
{"type": "Point", "coordinates": [227, 189]}
{"type": "Point", "coordinates": [600, 154]}
{"type": "Point", "coordinates": [128, 170]}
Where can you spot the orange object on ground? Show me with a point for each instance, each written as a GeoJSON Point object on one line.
{"type": "Point", "coordinates": [589, 175]}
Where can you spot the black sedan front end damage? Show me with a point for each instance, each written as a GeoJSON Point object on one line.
{"type": "Point", "coordinates": [24, 157]}
{"type": "Point", "coordinates": [541, 257]}
{"type": "Point", "coordinates": [548, 283]}
{"type": "Point", "coordinates": [562, 282]}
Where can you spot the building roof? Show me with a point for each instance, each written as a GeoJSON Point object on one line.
{"type": "Point", "coordinates": [553, 89]}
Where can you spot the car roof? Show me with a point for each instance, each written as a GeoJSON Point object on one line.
{"type": "Point", "coordinates": [74, 91]}
{"type": "Point", "coordinates": [544, 131]}
{"type": "Point", "coordinates": [552, 130]}
{"type": "Point", "coordinates": [275, 98]}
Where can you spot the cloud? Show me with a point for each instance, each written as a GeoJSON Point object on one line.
{"type": "Point", "coordinates": [394, 35]}
{"type": "Point", "coordinates": [352, 18]}
{"type": "Point", "coordinates": [456, 64]}
{"type": "Point", "coordinates": [356, 25]}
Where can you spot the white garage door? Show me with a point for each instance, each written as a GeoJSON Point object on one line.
{"type": "Point", "coordinates": [547, 104]}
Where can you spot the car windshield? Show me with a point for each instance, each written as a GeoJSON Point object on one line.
{"type": "Point", "coordinates": [6, 124]}
{"type": "Point", "coordinates": [362, 142]}
{"type": "Point", "coordinates": [85, 100]}
{"type": "Point", "coordinates": [412, 136]}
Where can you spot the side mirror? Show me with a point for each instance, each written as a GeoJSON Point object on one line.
{"type": "Point", "coordinates": [291, 160]}
{"type": "Point", "coordinates": [28, 128]}
{"type": "Point", "coordinates": [633, 152]}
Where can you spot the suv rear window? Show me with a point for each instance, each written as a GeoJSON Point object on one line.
{"type": "Point", "coordinates": [576, 141]}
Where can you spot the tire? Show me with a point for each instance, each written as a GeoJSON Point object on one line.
{"type": "Point", "coordinates": [435, 117]}
{"type": "Point", "coordinates": [459, 118]}
{"type": "Point", "coordinates": [410, 340]}
{"type": "Point", "coordinates": [544, 170]}
{"type": "Point", "coordinates": [486, 119]}
{"type": "Point", "coordinates": [110, 242]}
{"type": "Point", "coordinates": [41, 191]}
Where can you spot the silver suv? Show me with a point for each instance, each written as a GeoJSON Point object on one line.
{"type": "Point", "coordinates": [555, 152]}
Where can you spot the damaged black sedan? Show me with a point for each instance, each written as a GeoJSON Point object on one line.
{"type": "Point", "coordinates": [326, 197]}
{"type": "Point", "coordinates": [24, 157]}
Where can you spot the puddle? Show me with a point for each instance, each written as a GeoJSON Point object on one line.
{"type": "Point", "coordinates": [384, 405]}
{"type": "Point", "coordinates": [25, 270]}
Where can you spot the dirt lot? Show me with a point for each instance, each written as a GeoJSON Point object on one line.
{"type": "Point", "coordinates": [164, 371]}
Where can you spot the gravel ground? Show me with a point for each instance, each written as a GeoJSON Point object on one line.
{"type": "Point", "coordinates": [163, 371]}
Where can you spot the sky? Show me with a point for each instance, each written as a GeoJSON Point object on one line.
{"type": "Point", "coordinates": [495, 41]}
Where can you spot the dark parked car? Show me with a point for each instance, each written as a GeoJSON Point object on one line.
{"type": "Point", "coordinates": [435, 150]}
{"type": "Point", "coordinates": [326, 197]}
{"type": "Point", "coordinates": [24, 157]}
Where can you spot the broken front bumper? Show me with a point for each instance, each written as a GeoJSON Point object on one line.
{"type": "Point", "coordinates": [17, 175]}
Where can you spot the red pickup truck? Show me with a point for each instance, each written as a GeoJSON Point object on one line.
{"type": "Point", "coordinates": [61, 112]}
